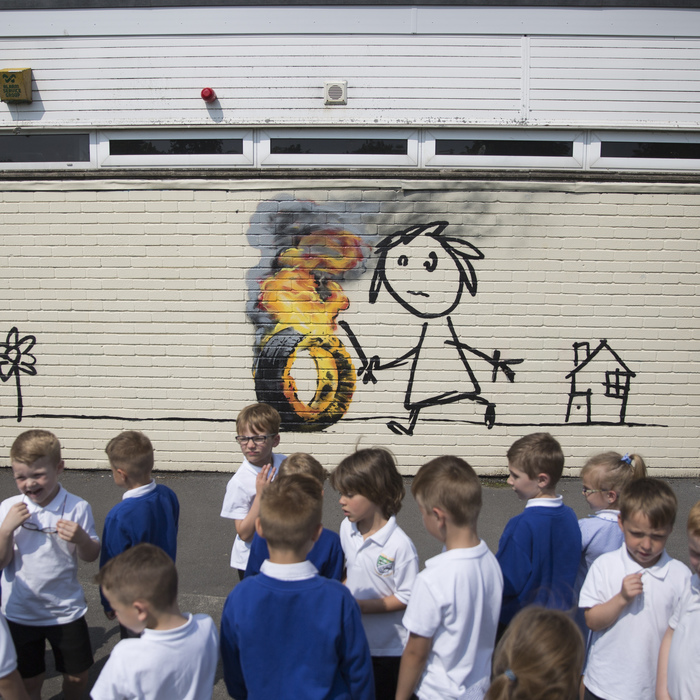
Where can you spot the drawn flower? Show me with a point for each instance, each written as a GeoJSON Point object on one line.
{"type": "Point", "coordinates": [16, 358]}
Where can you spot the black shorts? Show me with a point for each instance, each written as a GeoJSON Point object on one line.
{"type": "Point", "coordinates": [70, 644]}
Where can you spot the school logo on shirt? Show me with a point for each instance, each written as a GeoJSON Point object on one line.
{"type": "Point", "coordinates": [385, 566]}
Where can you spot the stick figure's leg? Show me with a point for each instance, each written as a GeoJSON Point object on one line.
{"type": "Point", "coordinates": [400, 429]}
{"type": "Point", "coordinates": [490, 415]}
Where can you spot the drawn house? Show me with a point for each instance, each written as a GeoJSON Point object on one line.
{"type": "Point", "coordinates": [600, 383]}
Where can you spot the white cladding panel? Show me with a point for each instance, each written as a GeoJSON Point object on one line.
{"type": "Point", "coordinates": [393, 79]}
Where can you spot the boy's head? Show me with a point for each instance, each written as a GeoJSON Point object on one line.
{"type": "Point", "coordinates": [290, 513]}
{"type": "Point", "coordinates": [257, 428]}
{"type": "Point", "coordinates": [302, 463]}
{"type": "Point", "coordinates": [535, 463]}
{"type": "Point", "coordinates": [694, 537]}
{"type": "Point", "coordinates": [371, 473]}
{"type": "Point", "coordinates": [139, 583]}
{"type": "Point", "coordinates": [130, 456]}
{"type": "Point", "coordinates": [36, 465]}
{"type": "Point", "coordinates": [450, 485]}
{"type": "Point", "coordinates": [647, 514]}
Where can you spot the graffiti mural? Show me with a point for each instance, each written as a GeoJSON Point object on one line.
{"type": "Point", "coordinates": [297, 288]}
{"type": "Point", "coordinates": [600, 381]}
{"type": "Point", "coordinates": [17, 359]}
{"type": "Point", "coordinates": [427, 273]}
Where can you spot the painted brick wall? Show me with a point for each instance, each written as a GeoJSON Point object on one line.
{"type": "Point", "coordinates": [137, 295]}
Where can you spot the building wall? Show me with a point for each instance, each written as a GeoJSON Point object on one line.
{"type": "Point", "coordinates": [136, 305]}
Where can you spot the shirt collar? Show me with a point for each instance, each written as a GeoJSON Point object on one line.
{"type": "Point", "coordinates": [289, 572]}
{"type": "Point", "coordinates": [545, 502]}
{"type": "Point", "coordinates": [609, 515]}
{"type": "Point", "coordinates": [379, 537]}
{"type": "Point", "coordinates": [140, 490]}
{"type": "Point", "coordinates": [658, 571]}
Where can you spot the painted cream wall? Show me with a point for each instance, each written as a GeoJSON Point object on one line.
{"type": "Point", "coordinates": [136, 293]}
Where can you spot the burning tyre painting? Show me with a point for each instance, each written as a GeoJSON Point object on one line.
{"type": "Point", "coordinates": [296, 296]}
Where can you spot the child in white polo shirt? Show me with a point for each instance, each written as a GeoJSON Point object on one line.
{"type": "Point", "coordinates": [679, 672]}
{"type": "Point", "coordinates": [257, 428]}
{"type": "Point", "coordinates": [44, 532]}
{"type": "Point", "coordinates": [11, 686]}
{"type": "Point", "coordinates": [176, 655]}
{"type": "Point", "coordinates": [382, 562]}
{"type": "Point", "coordinates": [452, 616]}
{"type": "Point", "coordinates": [629, 596]}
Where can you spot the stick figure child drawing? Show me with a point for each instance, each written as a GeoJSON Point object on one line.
{"type": "Point", "coordinates": [427, 273]}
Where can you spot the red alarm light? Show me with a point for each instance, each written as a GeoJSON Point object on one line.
{"type": "Point", "coordinates": [208, 95]}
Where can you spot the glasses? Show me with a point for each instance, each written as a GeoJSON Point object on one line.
{"type": "Point", "coordinates": [47, 530]}
{"type": "Point", "coordinates": [257, 439]}
{"type": "Point", "coordinates": [587, 492]}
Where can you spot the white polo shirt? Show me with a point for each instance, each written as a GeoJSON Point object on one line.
{"type": "Point", "coordinates": [163, 664]}
{"type": "Point", "coordinates": [456, 602]}
{"type": "Point", "coordinates": [8, 657]}
{"type": "Point", "coordinates": [239, 497]}
{"type": "Point", "coordinates": [683, 659]}
{"type": "Point", "coordinates": [622, 658]}
{"type": "Point", "coordinates": [384, 564]}
{"type": "Point", "coordinates": [40, 585]}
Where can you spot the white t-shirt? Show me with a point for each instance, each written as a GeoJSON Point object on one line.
{"type": "Point", "coordinates": [684, 655]}
{"type": "Point", "coordinates": [622, 658]}
{"type": "Point", "coordinates": [176, 664]}
{"type": "Point", "coordinates": [456, 601]}
{"type": "Point", "coordinates": [240, 494]}
{"type": "Point", "coordinates": [8, 657]}
{"type": "Point", "coordinates": [384, 564]}
{"type": "Point", "coordinates": [40, 585]}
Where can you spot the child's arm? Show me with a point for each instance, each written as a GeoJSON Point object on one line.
{"type": "Point", "coordinates": [389, 603]}
{"type": "Point", "coordinates": [604, 615]}
{"type": "Point", "coordinates": [12, 687]}
{"type": "Point", "coordinates": [662, 669]}
{"type": "Point", "coordinates": [246, 527]}
{"type": "Point", "coordinates": [413, 661]}
{"type": "Point", "coordinates": [87, 548]}
{"type": "Point", "coordinates": [17, 514]}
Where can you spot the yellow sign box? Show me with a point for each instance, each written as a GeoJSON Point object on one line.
{"type": "Point", "coordinates": [16, 85]}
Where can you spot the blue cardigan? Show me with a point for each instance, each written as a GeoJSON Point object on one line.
{"type": "Point", "coordinates": [291, 639]}
{"type": "Point", "coordinates": [539, 553]}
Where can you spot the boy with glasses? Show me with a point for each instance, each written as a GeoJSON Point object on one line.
{"type": "Point", "coordinates": [257, 428]}
{"type": "Point", "coordinates": [43, 533]}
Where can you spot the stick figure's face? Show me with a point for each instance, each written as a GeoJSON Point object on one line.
{"type": "Point", "coordinates": [423, 277]}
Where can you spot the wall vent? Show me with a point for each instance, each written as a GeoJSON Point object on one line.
{"type": "Point", "coordinates": [335, 92]}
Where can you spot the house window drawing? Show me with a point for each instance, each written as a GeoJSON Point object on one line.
{"type": "Point", "coordinates": [604, 401]}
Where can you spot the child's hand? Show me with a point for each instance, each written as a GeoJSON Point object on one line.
{"type": "Point", "coordinates": [631, 586]}
{"type": "Point", "coordinates": [71, 532]}
{"type": "Point", "coordinates": [18, 514]}
{"type": "Point", "coordinates": [264, 477]}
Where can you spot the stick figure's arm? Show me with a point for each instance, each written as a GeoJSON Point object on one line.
{"type": "Point", "coordinates": [369, 365]}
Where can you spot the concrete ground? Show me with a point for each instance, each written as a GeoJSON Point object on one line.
{"type": "Point", "coordinates": [205, 540]}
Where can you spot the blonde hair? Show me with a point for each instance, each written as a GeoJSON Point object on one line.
{"type": "Point", "coordinates": [694, 520]}
{"type": "Point", "coordinates": [613, 471]}
{"type": "Point", "coordinates": [142, 572]}
{"type": "Point", "coordinates": [290, 511]}
{"type": "Point", "coordinates": [260, 417]}
{"type": "Point", "coordinates": [371, 473]}
{"type": "Point", "coordinates": [302, 463]}
{"type": "Point", "coordinates": [35, 444]}
{"type": "Point", "coordinates": [537, 453]}
{"type": "Point", "coordinates": [451, 484]}
{"type": "Point", "coordinates": [540, 657]}
{"type": "Point", "coordinates": [652, 498]}
{"type": "Point", "coordinates": [132, 452]}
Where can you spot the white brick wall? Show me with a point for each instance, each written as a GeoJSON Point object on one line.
{"type": "Point", "coordinates": [136, 292]}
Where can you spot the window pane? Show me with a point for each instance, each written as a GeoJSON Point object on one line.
{"type": "Point", "coordinates": [44, 148]}
{"type": "Point", "coordinates": [152, 147]}
{"type": "Point", "coordinates": [340, 146]}
{"type": "Point", "coordinates": [646, 149]}
{"type": "Point", "coordinates": [506, 147]}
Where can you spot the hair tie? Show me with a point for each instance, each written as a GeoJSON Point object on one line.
{"type": "Point", "coordinates": [627, 459]}
{"type": "Point", "coordinates": [510, 675]}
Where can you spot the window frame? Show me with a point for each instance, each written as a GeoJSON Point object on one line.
{"type": "Point", "coordinates": [54, 165]}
